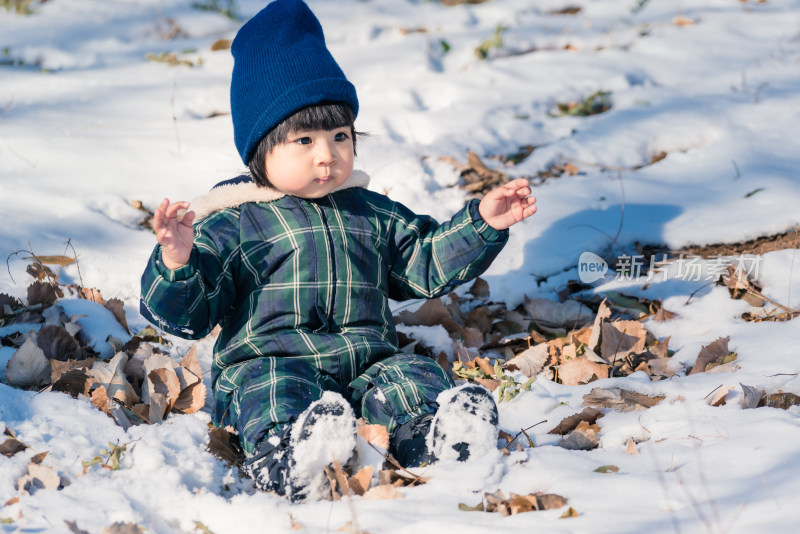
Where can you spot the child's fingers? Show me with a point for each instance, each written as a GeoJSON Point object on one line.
{"type": "Point", "coordinates": [172, 211]}
{"type": "Point", "coordinates": [517, 184]}
{"type": "Point", "coordinates": [158, 216]}
{"type": "Point", "coordinates": [523, 192]}
{"type": "Point", "coordinates": [528, 211]}
{"type": "Point", "coordinates": [188, 217]}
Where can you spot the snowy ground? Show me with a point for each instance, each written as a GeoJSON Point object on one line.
{"type": "Point", "coordinates": [87, 125]}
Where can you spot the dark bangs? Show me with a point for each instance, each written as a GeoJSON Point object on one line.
{"type": "Point", "coordinates": [318, 117]}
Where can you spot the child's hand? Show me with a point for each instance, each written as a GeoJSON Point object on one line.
{"type": "Point", "coordinates": [508, 204]}
{"type": "Point", "coordinates": [175, 236]}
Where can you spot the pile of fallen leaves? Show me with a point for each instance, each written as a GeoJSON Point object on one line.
{"type": "Point", "coordinates": [140, 383]}
{"type": "Point", "coordinates": [575, 342]}
{"type": "Point", "coordinates": [570, 342]}
{"type": "Point", "coordinates": [477, 178]}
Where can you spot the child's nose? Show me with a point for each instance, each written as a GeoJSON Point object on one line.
{"type": "Point", "coordinates": [325, 153]}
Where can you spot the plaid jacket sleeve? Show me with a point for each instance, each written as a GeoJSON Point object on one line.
{"type": "Point", "coordinates": [188, 302]}
{"type": "Point", "coordinates": [431, 259]}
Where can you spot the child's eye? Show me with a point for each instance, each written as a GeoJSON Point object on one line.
{"type": "Point", "coordinates": [303, 141]}
{"type": "Point", "coordinates": [341, 136]}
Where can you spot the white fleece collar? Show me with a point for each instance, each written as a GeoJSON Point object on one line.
{"type": "Point", "coordinates": [234, 195]}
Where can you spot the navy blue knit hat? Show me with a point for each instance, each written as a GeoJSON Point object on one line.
{"type": "Point", "coordinates": [281, 65]}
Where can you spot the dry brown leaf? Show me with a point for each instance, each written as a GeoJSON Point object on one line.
{"type": "Point", "coordinates": [191, 399]}
{"type": "Point", "coordinates": [551, 315]}
{"type": "Point", "coordinates": [603, 313]}
{"type": "Point", "coordinates": [489, 383]}
{"type": "Point", "coordinates": [569, 512]}
{"type": "Point", "coordinates": [74, 382]}
{"type": "Point", "coordinates": [741, 287]}
{"type": "Point", "coordinates": [375, 434]}
{"type": "Point", "coordinates": [682, 21]}
{"type": "Point", "coordinates": [397, 478]}
{"type": "Point", "coordinates": [620, 400]}
{"type": "Point", "coordinates": [41, 293]}
{"type": "Point", "coordinates": [39, 458]}
{"type": "Point", "coordinates": [100, 399]}
{"type": "Point", "coordinates": [752, 396]}
{"type": "Point", "coordinates": [165, 382]}
{"type": "Point", "coordinates": [659, 368]}
{"type": "Point", "coordinates": [581, 371]}
{"type": "Point", "coordinates": [221, 44]}
{"type": "Point", "coordinates": [568, 10]}
{"type": "Point", "coordinates": [583, 438]}
{"type": "Point", "coordinates": [111, 375]}
{"type": "Point", "coordinates": [123, 528]}
{"type": "Point", "coordinates": [515, 322]}
{"type": "Point", "coordinates": [157, 404]}
{"type": "Point", "coordinates": [719, 396]}
{"type": "Point", "coordinates": [518, 504]}
{"type": "Point", "coordinates": [569, 352]}
{"type": "Point", "coordinates": [134, 368]}
{"type": "Point", "coordinates": [582, 336]}
{"type": "Point", "coordinates": [472, 336]}
{"type": "Point", "coordinates": [359, 483]}
{"type": "Point", "coordinates": [663, 315]}
{"type": "Point", "coordinates": [550, 501]}
{"type": "Point", "coordinates": [620, 338]}
{"type": "Point", "coordinates": [660, 349]}
{"type": "Point", "coordinates": [554, 349]}
{"type": "Point", "coordinates": [630, 447]}
{"type": "Point", "coordinates": [28, 366]}
{"type": "Point", "coordinates": [781, 400]}
{"type": "Point", "coordinates": [58, 368]}
{"type": "Point", "coordinates": [568, 424]}
{"type": "Point", "coordinates": [55, 260]}
{"type": "Point", "coordinates": [156, 360]}
{"type": "Point", "coordinates": [57, 343]}
{"type": "Point", "coordinates": [190, 362]}
{"type": "Point", "coordinates": [38, 477]}
{"type": "Point", "coordinates": [117, 308]}
{"type": "Point", "coordinates": [224, 445]}
{"type": "Point", "coordinates": [715, 353]}
{"type": "Point", "coordinates": [484, 365]}
{"type": "Point", "coordinates": [496, 502]}
{"type": "Point", "coordinates": [73, 527]}
{"type": "Point", "coordinates": [142, 410]}
{"type": "Point", "coordinates": [531, 361]}
{"type": "Point", "coordinates": [8, 300]}
{"type": "Point", "coordinates": [480, 288]}
{"type": "Point", "coordinates": [11, 446]}
{"type": "Point", "coordinates": [479, 318]}
{"type": "Point", "coordinates": [431, 313]}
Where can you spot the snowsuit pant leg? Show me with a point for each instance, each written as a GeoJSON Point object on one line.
{"type": "Point", "coordinates": [274, 392]}
{"type": "Point", "coordinates": [400, 388]}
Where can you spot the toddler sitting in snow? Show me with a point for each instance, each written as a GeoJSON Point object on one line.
{"type": "Point", "coordinates": [297, 263]}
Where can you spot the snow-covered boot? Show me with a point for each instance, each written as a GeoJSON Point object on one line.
{"type": "Point", "coordinates": [407, 444]}
{"type": "Point", "coordinates": [323, 434]}
{"type": "Point", "coordinates": [292, 462]}
{"type": "Point", "coordinates": [465, 425]}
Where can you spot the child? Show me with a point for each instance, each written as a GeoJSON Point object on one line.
{"type": "Point", "coordinates": [297, 263]}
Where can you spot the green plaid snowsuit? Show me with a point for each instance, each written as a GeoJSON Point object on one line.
{"type": "Point", "coordinates": [301, 289]}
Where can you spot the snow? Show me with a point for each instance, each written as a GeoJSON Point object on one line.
{"type": "Point", "coordinates": [87, 125]}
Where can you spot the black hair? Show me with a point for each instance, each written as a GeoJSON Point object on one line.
{"type": "Point", "coordinates": [325, 116]}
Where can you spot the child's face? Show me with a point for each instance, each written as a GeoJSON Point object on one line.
{"type": "Point", "coordinates": [311, 164]}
